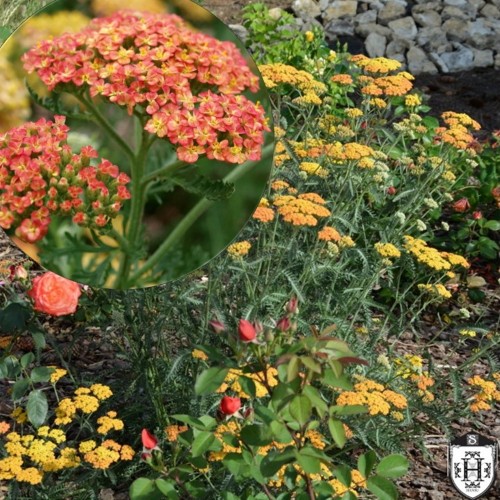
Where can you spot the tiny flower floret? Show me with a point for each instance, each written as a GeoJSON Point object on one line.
{"type": "Point", "coordinates": [187, 83]}
{"type": "Point", "coordinates": [40, 177]}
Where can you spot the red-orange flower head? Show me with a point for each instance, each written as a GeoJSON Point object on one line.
{"type": "Point", "coordinates": [40, 176]}
{"type": "Point", "coordinates": [55, 295]}
{"type": "Point", "coordinates": [187, 83]}
{"type": "Point", "coordinates": [229, 405]}
{"type": "Point", "coordinates": [246, 331]}
{"type": "Point", "coordinates": [461, 205]}
{"type": "Point", "coordinates": [149, 441]}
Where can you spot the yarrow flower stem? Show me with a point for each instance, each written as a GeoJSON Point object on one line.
{"type": "Point", "coordinates": [189, 219]}
{"type": "Point", "coordinates": [101, 119]}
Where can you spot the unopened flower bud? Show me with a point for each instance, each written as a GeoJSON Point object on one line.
{"type": "Point", "coordinates": [283, 324]}
{"type": "Point", "coordinates": [293, 305]}
{"type": "Point", "coordinates": [217, 326]}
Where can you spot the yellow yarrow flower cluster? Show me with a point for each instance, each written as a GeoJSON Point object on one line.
{"type": "Point", "coordinates": [301, 210]}
{"type": "Point", "coordinates": [357, 481]}
{"type": "Point", "coordinates": [453, 119]}
{"type": "Point", "coordinates": [374, 395]}
{"type": "Point", "coordinates": [19, 415]}
{"type": "Point", "coordinates": [412, 100]}
{"type": "Point", "coordinates": [14, 99]}
{"type": "Point", "coordinates": [197, 354]}
{"type": "Point", "coordinates": [387, 250]}
{"type": "Point", "coordinates": [431, 257]}
{"type": "Point", "coordinates": [408, 365]}
{"type": "Point", "coordinates": [437, 290]}
{"type": "Point", "coordinates": [108, 453]}
{"type": "Point", "coordinates": [487, 395]}
{"type": "Point", "coordinates": [466, 332]}
{"type": "Point", "coordinates": [173, 431]}
{"type": "Point", "coordinates": [376, 64]}
{"type": "Point", "coordinates": [313, 168]}
{"type": "Point", "coordinates": [239, 249]}
{"type": "Point", "coordinates": [278, 73]}
{"type": "Point", "coordinates": [260, 379]}
{"type": "Point", "coordinates": [57, 374]}
{"type": "Point", "coordinates": [109, 422]}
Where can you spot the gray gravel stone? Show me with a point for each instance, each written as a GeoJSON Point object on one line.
{"type": "Point", "coordinates": [340, 9]}
{"type": "Point", "coordinates": [479, 34]}
{"type": "Point", "coordinates": [370, 16]}
{"type": "Point", "coordinates": [418, 62]}
{"type": "Point", "coordinates": [375, 45]}
{"type": "Point", "coordinates": [433, 40]}
{"type": "Point", "coordinates": [365, 29]}
{"type": "Point", "coordinates": [339, 27]}
{"type": "Point", "coordinates": [427, 18]}
{"type": "Point", "coordinates": [393, 9]}
{"type": "Point", "coordinates": [404, 28]}
{"type": "Point", "coordinates": [306, 9]}
{"type": "Point", "coordinates": [458, 60]}
{"type": "Point", "coordinates": [455, 29]}
{"type": "Point", "coordinates": [482, 58]}
{"type": "Point", "coordinates": [489, 10]}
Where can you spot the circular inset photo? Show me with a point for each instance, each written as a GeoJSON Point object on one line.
{"type": "Point", "coordinates": [137, 142]}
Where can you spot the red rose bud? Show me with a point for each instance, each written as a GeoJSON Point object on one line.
{"type": "Point", "coordinates": [249, 414]}
{"type": "Point", "coordinates": [217, 326]}
{"type": "Point", "coordinates": [391, 190]}
{"type": "Point", "coordinates": [461, 205]}
{"type": "Point", "coordinates": [229, 405]}
{"type": "Point", "coordinates": [283, 324]}
{"type": "Point", "coordinates": [293, 305]}
{"type": "Point", "coordinates": [148, 440]}
{"type": "Point", "coordinates": [246, 331]}
{"type": "Point", "coordinates": [145, 456]}
{"type": "Point", "coordinates": [477, 215]}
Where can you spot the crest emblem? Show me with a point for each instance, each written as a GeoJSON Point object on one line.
{"type": "Point", "coordinates": [472, 461]}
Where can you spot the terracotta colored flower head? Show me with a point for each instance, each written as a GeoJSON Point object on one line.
{"type": "Point", "coordinates": [187, 85]}
{"type": "Point", "coordinates": [461, 205]}
{"type": "Point", "coordinates": [55, 295]}
{"type": "Point", "coordinates": [149, 441]}
{"type": "Point", "coordinates": [246, 331]}
{"type": "Point", "coordinates": [229, 405]}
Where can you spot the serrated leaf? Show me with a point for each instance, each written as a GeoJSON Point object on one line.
{"type": "Point", "coordinates": [256, 435]}
{"type": "Point", "coordinates": [19, 388]}
{"type": "Point", "coordinates": [292, 369]}
{"type": "Point", "coordinates": [337, 431]}
{"type": "Point", "coordinates": [209, 380]}
{"type": "Point", "coordinates": [382, 488]}
{"type": "Point", "coordinates": [168, 489]}
{"type": "Point", "coordinates": [309, 463]}
{"type": "Point", "coordinates": [37, 408]}
{"type": "Point", "coordinates": [301, 409]}
{"type": "Point", "coordinates": [14, 317]}
{"type": "Point", "coordinates": [393, 466]}
{"type": "Point", "coordinates": [366, 462]}
{"type": "Point", "coordinates": [27, 359]}
{"type": "Point", "coordinates": [275, 460]}
{"type": "Point", "coordinates": [41, 374]}
{"type": "Point", "coordinates": [144, 489]}
{"type": "Point", "coordinates": [214, 190]}
{"type": "Point", "coordinates": [202, 443]}
{"type": "Point", "coordinates": [39, 340]}
{"type": "Point", "coordinates": [54, 103]}
{"type": "Point", "coordinates": [343, 474]}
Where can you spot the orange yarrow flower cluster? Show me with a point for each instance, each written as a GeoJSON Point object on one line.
{"type": "Point", "coordinates": [40, 176]}
{"type": "Point", "coordinates": [301, 210]}
{"type": "Point", "coordinates": [486, 397]}
{"type": "Point", "coordinates": [188, 83]}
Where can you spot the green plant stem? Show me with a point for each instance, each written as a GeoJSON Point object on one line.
{"type": "Point", "coordinates": [101, 119]}
{"type": "Point", "coordinates": [189, 219]}
{"type": "Point", "coordinates": [162, 172]}
{"type": "Point", "coordinates": [138, 195]}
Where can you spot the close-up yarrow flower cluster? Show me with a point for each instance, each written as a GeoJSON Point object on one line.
{"type": "Point", "coordinates": [186, 84]}
{"type": "Point", "coordinates": [40, 177]}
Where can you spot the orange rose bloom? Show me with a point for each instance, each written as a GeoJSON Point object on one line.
{"type": "Point", "coordinates": [54, 294]}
